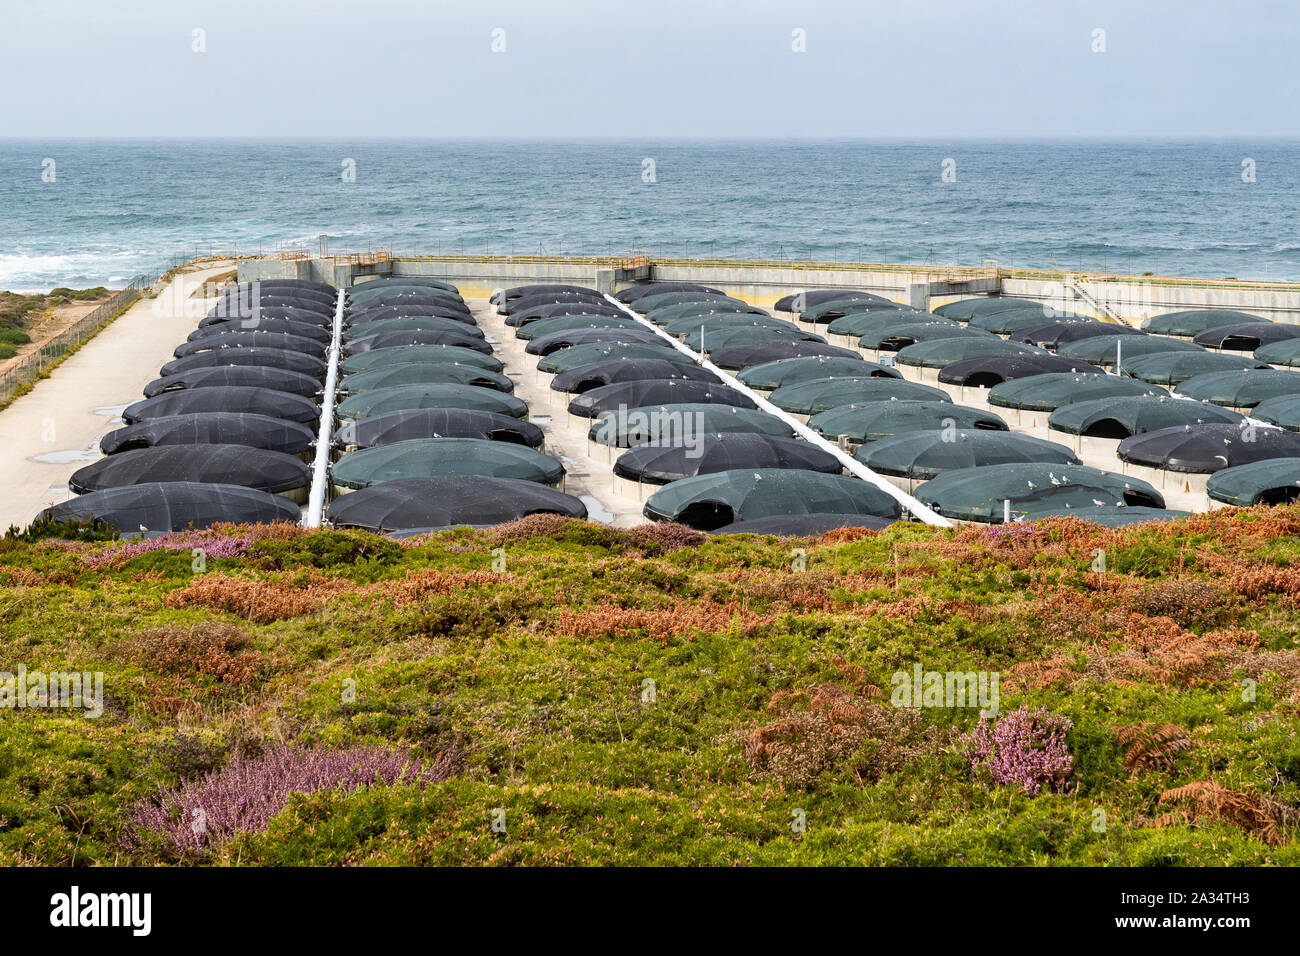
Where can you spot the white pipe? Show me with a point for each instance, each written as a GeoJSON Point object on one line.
{"type": "Point", "coordinates": [917, 509]}
{"type": "Point", "coordinates": [320, 467]}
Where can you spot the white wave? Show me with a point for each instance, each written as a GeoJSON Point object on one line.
{"type": "Point", "coordinates": [24, 272]}
{"type": "Point", "coordinates": [311, 239]}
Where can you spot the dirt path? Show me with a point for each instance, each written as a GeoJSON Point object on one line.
{"type": "Point", "coordinates": [55, 428]}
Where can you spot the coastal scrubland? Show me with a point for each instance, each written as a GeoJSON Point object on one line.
{"type": "Point", "coordinates": [559, 692]}
{"type": "Point", "coordinates": [20, 314]}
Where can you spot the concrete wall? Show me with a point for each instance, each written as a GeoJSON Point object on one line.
{"type": "Point", "coordinates": [476, 278]}
{"type": "Point", "coordinates": [1131, 298]}
{"type": "Point", "coordinates": [1136, 300]}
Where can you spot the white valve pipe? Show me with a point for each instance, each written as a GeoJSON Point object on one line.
{"type": "Point", "coordinates": [320, 467]}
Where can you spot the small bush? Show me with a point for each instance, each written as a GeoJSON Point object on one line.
{"type": "Point", "coordinates": [661, 537]}
{"type": "Point", "coordinates": [212, 649]}
{"type": "Point", "coordinates": [558, 528]}
{"type": "Point", "coordinates": [81, 295]}
{"type": "Point", "coordinates": [1023, 748]}
{"type": "Point", "coordinates": [1191, 602]}
{"type": "Point", "coordinates": [188, 755]}
{"type": "Point", "coordinates": [287, 548]}
{"type": "Point", "coordinates": [246, 793]}
{"type": "Point", "coordinates": [69, 530]}
{"type": "Point", "coordinates": [213, 544]}
{"type": "Point", "coordinates": [838, 729]}
{"type": "Point", "coordinates": [532, 526]}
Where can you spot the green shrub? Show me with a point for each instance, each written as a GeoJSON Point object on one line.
{"type": "Point", "coordinates": [72, 530]}
{"type": "Point", "coordinates": [81, 295]}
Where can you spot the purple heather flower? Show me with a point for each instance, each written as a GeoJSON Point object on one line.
{"type": "Point", "coordinates": [1023, 748]}
{"type": "Point", "coordinates": [213, 544]}
{"type": "Point", "coordinates": [247, 792]}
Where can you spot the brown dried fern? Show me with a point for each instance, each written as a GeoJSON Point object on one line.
{"type": "Point", "coordinates": [1258, 816]}
{"type": "Point", "coordinates": [1151, 746]}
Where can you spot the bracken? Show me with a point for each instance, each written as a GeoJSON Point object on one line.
{"type": "Point", "coordinates": [212, 648]}
{"type": "Point", "coordinates": [1151, 745]}
{"type": "Point", "coordinates": [260, 600]}
{"type": "Point", "coordinates": [1261, 817]}
{"type": "Point", "coordinates": [606, 620]}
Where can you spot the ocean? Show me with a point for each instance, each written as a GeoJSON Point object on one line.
{"type": "Point", "coordinates": [98, 212]}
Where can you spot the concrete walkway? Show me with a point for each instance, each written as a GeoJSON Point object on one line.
{"type": "Point", "coordinates": [55, 428]}
{"type": "Point", "coordinates": [588, 476]}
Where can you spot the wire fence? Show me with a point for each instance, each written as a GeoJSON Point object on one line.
{"type": "Point", "coordinates": [31, 366]}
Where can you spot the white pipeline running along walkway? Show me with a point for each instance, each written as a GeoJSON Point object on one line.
{"type": "Point", "coordinates": [314, 513]}
{"type": "Point", "coordinates": [912, 505]}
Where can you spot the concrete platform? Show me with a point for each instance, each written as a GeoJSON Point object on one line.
{"type": "Point", "coordinates": [588, 465]}
{"type": "Point", "coordinates": [1099, 452]}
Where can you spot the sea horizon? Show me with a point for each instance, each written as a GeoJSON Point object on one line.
{"type": "Point", "coordinates": [83, 211]}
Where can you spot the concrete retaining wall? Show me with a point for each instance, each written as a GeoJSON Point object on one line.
{"type": "Point", "coordinates": [1131, 298]}
{"type": "Point", "coordinates": [1136, 300]}
{"type": "Point", "coordinates": [476, 278]}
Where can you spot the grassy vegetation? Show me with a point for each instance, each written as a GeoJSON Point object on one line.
{"type": "Point", "coordinates": [17, 310]}
{"type": "Point", "coordinates": [521, 694]}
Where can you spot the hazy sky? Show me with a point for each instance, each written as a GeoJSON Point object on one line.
{"type": "Point", "coordinates": [574, 68]}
